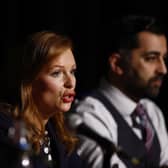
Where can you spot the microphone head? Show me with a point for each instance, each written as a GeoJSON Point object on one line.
{"type": "Point", "coordinates": [74, 121]}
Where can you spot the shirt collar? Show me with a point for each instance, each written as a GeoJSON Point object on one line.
{"type": "Point", "coordinates": [122, 103]}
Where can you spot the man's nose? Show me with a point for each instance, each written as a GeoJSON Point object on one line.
{"type": "Point", "coordinates": [162, 67]}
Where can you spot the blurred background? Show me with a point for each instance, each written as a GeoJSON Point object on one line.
{"type": "Point", "coordinates": [82, 21]}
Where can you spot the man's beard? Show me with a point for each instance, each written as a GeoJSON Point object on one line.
{"type": "Point", "coordinates": [136, 87]}
{"type": "Point", "coordinates": [151, 89]}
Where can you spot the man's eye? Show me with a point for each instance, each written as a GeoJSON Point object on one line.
{"type": "Point", "coordinates": [165, 59]}
{"type": "Point", "coordinates": [151, 58]}
{"type": "Point", "coordinates": [73, 71]}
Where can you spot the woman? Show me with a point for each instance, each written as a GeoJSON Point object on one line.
{"type": "Point", "coordinates": [47, 90]}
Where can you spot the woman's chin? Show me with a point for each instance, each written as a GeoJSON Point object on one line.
{"type": "Point", "coordinates": [66, 108]}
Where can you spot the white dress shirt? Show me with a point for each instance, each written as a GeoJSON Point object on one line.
{"type": "Point", "coordinates": [96, 116]}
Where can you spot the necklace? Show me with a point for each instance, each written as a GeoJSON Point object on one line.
{"type": "Point", "coordinates": [46, 149]}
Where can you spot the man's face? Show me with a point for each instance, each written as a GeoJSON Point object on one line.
{"type": "Point", "coordinates": [144, 73]}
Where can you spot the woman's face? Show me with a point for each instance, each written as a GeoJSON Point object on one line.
{"type": "Point", "coordinates": [54, 88]}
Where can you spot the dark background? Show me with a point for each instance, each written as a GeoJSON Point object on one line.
{"type": "Point", "coordinates": [82, 21]}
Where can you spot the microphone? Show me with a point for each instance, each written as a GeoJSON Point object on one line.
{"type": "Point", "coordinates": [83, 129]}
{"type": "Point", "coordinates": [109, 148]}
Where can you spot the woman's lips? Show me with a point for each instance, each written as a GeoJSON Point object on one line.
{"type": "Point", "coordinates": [68, 97]}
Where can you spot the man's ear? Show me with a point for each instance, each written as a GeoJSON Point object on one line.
{"type": "Point", "coordinates": [114, 62]}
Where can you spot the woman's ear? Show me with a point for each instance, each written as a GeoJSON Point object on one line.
{"type": "Point", "coordinates": [114, 62]}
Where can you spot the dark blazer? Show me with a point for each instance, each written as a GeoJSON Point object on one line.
{"type": "Point", "coordinates": [9, 153]}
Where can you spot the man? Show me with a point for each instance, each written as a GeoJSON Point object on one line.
{"type": "Point", "coordinates": [113, 133]}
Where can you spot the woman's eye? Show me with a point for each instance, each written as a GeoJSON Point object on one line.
{"type": "Point", "coordinates": [56, 73]}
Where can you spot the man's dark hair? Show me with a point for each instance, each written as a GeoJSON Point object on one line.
{"type": "Point", "coordinates": [123, 33]}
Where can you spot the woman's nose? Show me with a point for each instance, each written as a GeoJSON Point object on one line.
{"type": "Point", "coordinates": [70, 81]}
